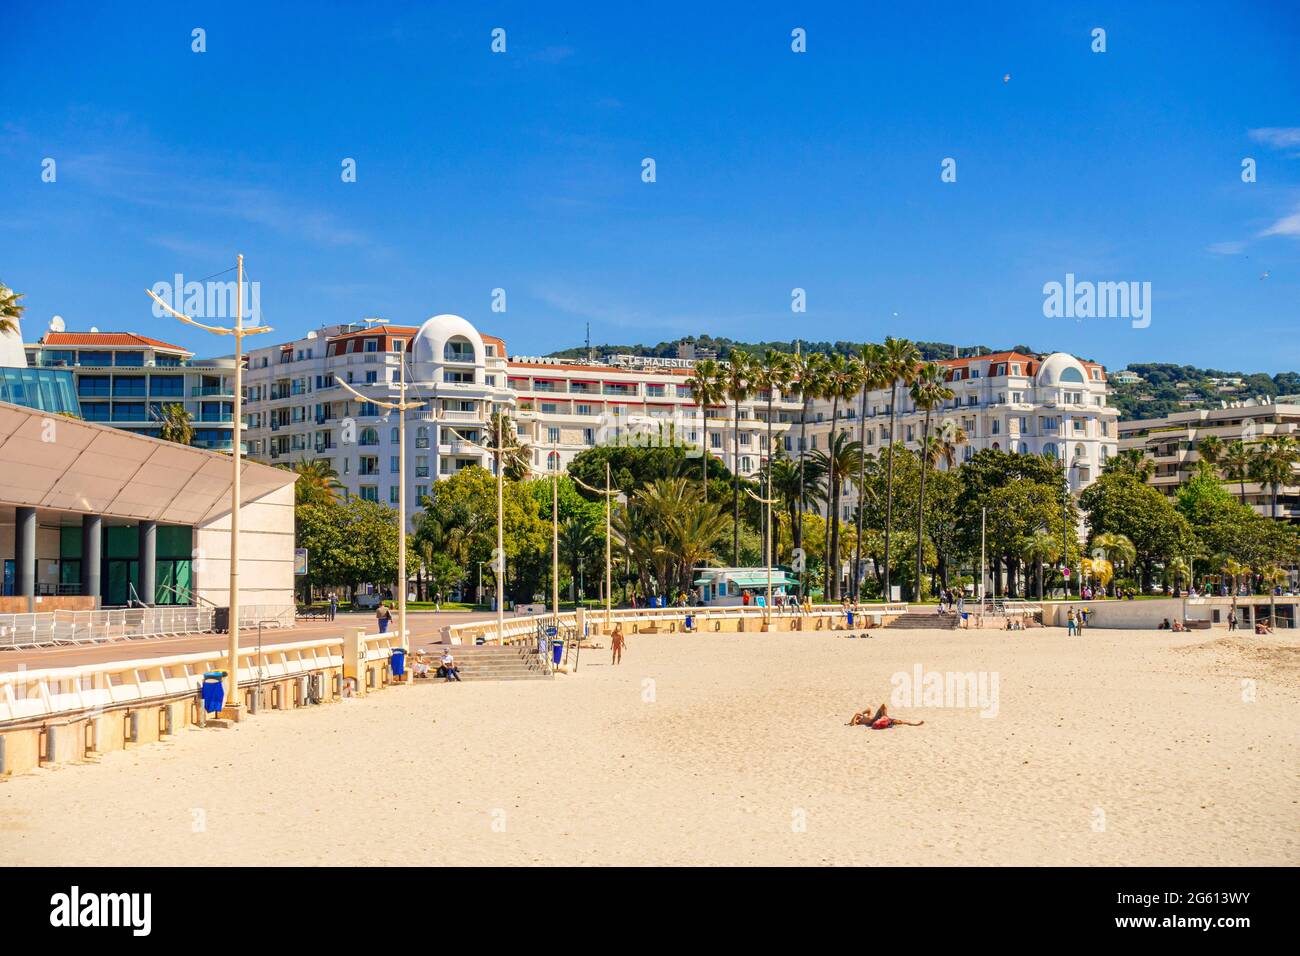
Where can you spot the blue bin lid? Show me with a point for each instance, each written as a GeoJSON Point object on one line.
{"type": "Point", "coordinates": [216, 675]}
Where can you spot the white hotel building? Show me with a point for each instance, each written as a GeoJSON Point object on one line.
{"type": "Point", "coordinates": [295, 409]}
{"type": "Point", "coordinates": [1055, 405]}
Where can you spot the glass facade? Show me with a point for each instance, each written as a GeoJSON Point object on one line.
{"type": "Point", "coordinates": [47, 389]}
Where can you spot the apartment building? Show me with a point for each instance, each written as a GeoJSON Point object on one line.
{"type": "Point", "coordinates": [296, 409]}
{"type": "Point", "coordinates": [1055, 405]}
{"type": "Point", "coordinates": [1173, 441]}
{"type": "Point", "coordinates": [124, 380]}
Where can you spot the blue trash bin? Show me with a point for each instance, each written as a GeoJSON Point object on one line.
{"type": "Point", "coordinates": [213, 691]}
{"type": "Point", "coordinates": [397, 661]}
{"type": "Point", "coordinates": [849, 615]}
{"type": "Point", "coordinates": [690, 622]}
{"type": "Point", "coordinates": [557, 651]}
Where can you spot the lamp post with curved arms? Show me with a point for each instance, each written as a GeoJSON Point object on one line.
{"type": "Point", "coordinates": [232, 704]}
{"type": "Point", "coordinates": [400, 406]}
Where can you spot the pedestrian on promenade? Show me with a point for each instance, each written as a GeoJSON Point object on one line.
{"type": "Point", "coordinates": [383, 615]}
{"type": "Point", "coordinates": [334, 605]}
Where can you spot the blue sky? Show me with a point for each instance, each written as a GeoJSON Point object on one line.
{"type": "Point", "coordinates": [775, 170]}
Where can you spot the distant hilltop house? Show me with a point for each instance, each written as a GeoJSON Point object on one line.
{"type": "Point", "coordinates": [1125, 377]}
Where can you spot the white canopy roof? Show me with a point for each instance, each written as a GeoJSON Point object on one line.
{"type": "Point", "coordinates": [65, 464]}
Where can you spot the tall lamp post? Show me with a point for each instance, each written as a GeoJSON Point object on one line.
{"type": "Point", "coordinates": [400, 406]}
{"type": "Point", "coordinates": [236, 455]}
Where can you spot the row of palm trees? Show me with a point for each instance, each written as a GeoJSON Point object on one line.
{"type": "Point", "coordinates": [1271, 462]}
{"type": "Point", "coordinates": [895, 365]}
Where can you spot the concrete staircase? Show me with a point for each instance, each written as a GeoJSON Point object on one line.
{"type": "Point", "coordinates": [925, 618]}
{"type": "Point", "coordinates": [489, 662]}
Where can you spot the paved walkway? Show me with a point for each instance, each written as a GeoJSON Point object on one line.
{"type": "Point", "coordinates": [423, 625]}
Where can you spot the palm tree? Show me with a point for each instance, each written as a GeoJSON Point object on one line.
{"type": "Point", "coordinates": [1117, 548]}
{"type": "Point", "coordinates": [10, 310]}
{"type": "Point", "coordinates": [929, 391]}
{"type": "Point", "coordinates": [900, 360]}
{"type": "Point", "coordinates": [872, 376]}
{"type": "Point", "coordinates": [771, 374]}
{"type": "Point", "coordinates": [797, 486]}
{"type": "Point", "coordinates": [576, 538]}
{"type": "Point", "coordinates": [840, 462]}
{"type": "Point", "coordinates": [1274, 464]}
{"type": "Point", "coordinates": [175, 424]}
{"type": "Point", "coordinates": [809, 381]}
{"type": "Point", "coordinates": [1235, 460]}
{"type": "Point", "coordinates": [942, 446]}
{"type": "Point", "coordinates": [739, 377]}
{"type": "Point", "coordinates": [1133, 461]}
{"type": "Point", "coordinates": [514, 455]}
{"type": "Point", "coordinates": [1211, 449]}
{"type": "Point", "coordinates": [1272, 575]}
{"type": "Point", "coordinates": [1177, 571]}
{"type": "Point", "coordinates": [668, 532]}
{"type": "Point", "coordinates": [707, 389]}
{"type": "Point", "coordinates": [317, 481]}
{"type": "Point", "coordinates": [1042, 547]}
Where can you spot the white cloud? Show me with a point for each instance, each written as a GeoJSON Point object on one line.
{"type": "Point", "coordinates": [1280, 137]}
{"type": "Point", "coordinates": [1288, 225]}
{"type": "Point", "coordinates": [1233, 248]}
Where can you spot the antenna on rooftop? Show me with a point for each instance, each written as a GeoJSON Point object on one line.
{"type": "Point", "coordinates": [590, 357]}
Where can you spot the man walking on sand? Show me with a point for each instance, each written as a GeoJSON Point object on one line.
{"type": "Point", "coordinates": [616, 643]}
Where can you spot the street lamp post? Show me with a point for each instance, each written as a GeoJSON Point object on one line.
{"type": "Point", "coordinates": [400, 406]}
{"type": "Point", "coordinates": [767, 552]}
{"type": "Point", "coordinates": [236, 456]}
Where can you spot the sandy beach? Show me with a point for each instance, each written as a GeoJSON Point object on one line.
{"type": "Point", "coordinates": [1116, 748]}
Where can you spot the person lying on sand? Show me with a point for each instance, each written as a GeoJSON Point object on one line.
{"type": "Point", "coordinates": [880, 720]}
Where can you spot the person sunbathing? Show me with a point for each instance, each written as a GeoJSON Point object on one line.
{"type": "Point", "coordinates": [880, 720]}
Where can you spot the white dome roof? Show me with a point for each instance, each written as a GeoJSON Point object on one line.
{"type": "Point", "coordinates": [1061, 367]}
{"type": "Point", "coordinates": [428, 351]}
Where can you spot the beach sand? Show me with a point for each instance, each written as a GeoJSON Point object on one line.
{"type": "Point", "coordinates": [1120, 747]}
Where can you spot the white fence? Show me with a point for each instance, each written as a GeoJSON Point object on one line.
{"type": "Point", "coordinates": [55, 628]}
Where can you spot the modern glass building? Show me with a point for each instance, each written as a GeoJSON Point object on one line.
{"type": "Point", "coordinates": [46, 389]}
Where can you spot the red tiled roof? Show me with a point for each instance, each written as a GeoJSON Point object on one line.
{"type": "Point", "coordinates": [107, 338]}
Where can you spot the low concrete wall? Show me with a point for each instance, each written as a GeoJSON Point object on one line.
{"type": "Point", "coordinates": [47, 602]}
{"type": "Point", "coordinates": [72, 736]}
{"type": "Point", "coordinates": [1149, 613]}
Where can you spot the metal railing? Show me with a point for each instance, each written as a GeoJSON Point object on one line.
{"type": "Point", "coordinates": [63, 628]}
{"type": "Point", "coordinates": [526, 628]}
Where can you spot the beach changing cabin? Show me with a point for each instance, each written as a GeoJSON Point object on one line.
{"type": "Point", "coordinates": [725, 587]}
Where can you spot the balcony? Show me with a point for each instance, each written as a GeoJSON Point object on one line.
{"type": "Point", "coordinates": [201, 391]}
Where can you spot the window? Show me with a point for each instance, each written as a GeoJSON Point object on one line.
{"type": "Point", "coordinates": [95, 411]}
{"type": "Point", "coordinates": [130, 359]}
{"type": "Point", "coordinates": [394, 436]}
{"type": "Point", "coordinates": [167, 386]}
{"type": "Point", "coordinates": [369, 466]}
{"type": "Point", "coordinates": [589, 436]}
{"type": "Point", "coordinates": [422, 437]}
{"type": "Point", "coordinates": [997, 427]}
{"type": "Point", "coordinates": [394, 464]}
{"type": "Point", "coordinates": [369, 436]}
{"type": "Point", "coordinates": [746, 439]}
{"type": "Point", "coordinates": [654, 391]}
{"type": "Point", "coordinates": [372, 345]}
{"type": "Point", "coordinates": [369, 493]}
{"type": "Point", "coordinates": [129, 412]}
{"type": "Point", "coordinates": [93, 385]}
{"type": "Point", "coordinates": [1050, 449]}
{"type": "Point", "coordinates": [553, 436]}
{"type": "Point", "coordinates": [421, 466]}
{"type": "Point", "coordinates": [715, 440]}
{"type": "Point", "coordinates": [132, 386]}
{"type": "Point", "coordinates": [394, 493]}
{"type": "Point", "coordinates": [458, 349]}
{"type": "Point", "coordinates": [553, 461]}
{"type": "Point", "coordinates": [458, 378]}
{"type": "Point", "coordinates": [372, 378]}
{"type": "Point", "coordinates": [584, 409]}
{"type": "Point", "coordinates": [549, 408]}
{"type": "Point", "coordinates": [421, 492]}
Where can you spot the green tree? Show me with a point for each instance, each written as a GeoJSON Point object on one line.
{"type": "Point", "coordinates": [708, 389]}
{"type": "Point", "coordinates": [175, 424]}
{"type": "Point", "coordinates": [901, 358]}
{"type": "Point", "coordinates": [929, 391]}
{"type": "Point", "coordinates": [1120, 503]}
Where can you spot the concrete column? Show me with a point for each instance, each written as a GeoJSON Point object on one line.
{"type": "Point", "coordinates": [148, 561]}
{"type": "Point", "coordinates": [25, 551]}
{"type": "Point", "coordinates": [92, 555]}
